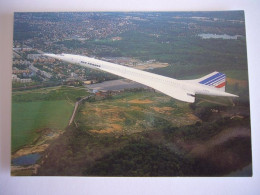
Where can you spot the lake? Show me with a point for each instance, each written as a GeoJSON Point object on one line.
{"type": "Point", "coordinates": [215, 36]}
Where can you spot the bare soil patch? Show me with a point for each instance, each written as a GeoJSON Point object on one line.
{"type": "Point", "coordinates": [152, 66]}
{"type": "Point", "coordinates": [163, 110]}
{"type": "Point", "coordinates": [111, 129]}
{"type": "Point", "coordinates": [241, 83]}
{"type": "Point", "coordinates": [137, 101]}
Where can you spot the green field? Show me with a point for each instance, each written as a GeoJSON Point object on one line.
{"type": "Point", "coordinates": [28, 117]}
{"type": "Point", "coordinates": [71, 94]}
{"type": "Point", "coordinates": [35, 110]}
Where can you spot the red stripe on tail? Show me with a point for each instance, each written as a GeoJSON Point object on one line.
{"type": "Point", "coordinates": [221, 85]}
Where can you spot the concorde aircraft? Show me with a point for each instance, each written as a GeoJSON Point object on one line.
{"type": "Point", "coordinates": [185, 90]}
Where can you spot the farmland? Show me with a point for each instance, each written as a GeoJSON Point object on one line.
{"type": "Point", "coordinates": [29, 118]}
{"type": "Point", "coordinates": [35, 111]}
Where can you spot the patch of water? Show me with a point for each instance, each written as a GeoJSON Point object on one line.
{"type": "Point", "coordinates": [215, 36]}
{"type": "Point", "coordinates": [28, 159]}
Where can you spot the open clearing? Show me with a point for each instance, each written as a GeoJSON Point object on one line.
{"type": "Point", "coordinates": [152, 66]}
{"type": "Point", "coordinates": [240, 83]}
{"type": "Point", "coordinates": [132, 112]}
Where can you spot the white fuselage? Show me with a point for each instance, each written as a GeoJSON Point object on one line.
{"type": "Point", "coordinates": [164, 84]}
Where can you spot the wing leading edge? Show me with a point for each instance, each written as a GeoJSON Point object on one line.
{"type": "Point", "coordinates": [183, 90]}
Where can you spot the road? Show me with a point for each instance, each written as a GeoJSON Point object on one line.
{"type": "Point", "coordinates": [76, 108]}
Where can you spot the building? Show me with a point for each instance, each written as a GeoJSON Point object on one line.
{"type": "Point", "coordinates": [16, 79]}
{"type": "Point", "coordinates": [20, 71]}
{"type": "Point", "coordinates": [40, 72]}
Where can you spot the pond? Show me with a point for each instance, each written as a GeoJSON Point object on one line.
{"type": "Point", "coordinates": [28, 159]}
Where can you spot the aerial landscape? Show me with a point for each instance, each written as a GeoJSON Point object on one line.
{"type": "Point", "coordinates": [69, 120]}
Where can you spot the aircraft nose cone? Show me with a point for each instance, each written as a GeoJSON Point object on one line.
{"type": "Point", "coordinates": [58, 57]}
{"type": "Point", "coordinates": [50, 55]}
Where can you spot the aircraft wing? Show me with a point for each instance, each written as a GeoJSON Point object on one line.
{"type": "Point", "coordinates": [184, 90]}
{"type": "Point", "coordinates": [160, 83]}
{"type": "Point", "coordinates": [154, 81]}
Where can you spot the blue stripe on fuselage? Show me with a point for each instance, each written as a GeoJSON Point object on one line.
{"type": "Point", "coordinates": [211, 78]}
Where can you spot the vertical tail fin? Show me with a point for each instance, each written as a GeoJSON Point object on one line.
{"type": "Point", "coordinates": [215, 79]}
